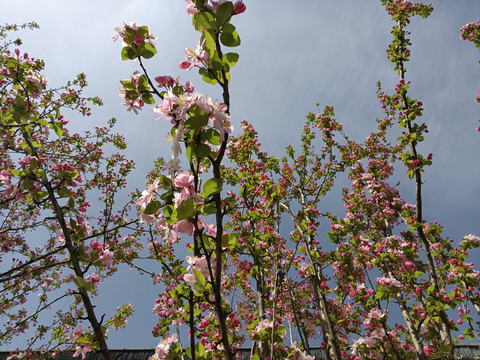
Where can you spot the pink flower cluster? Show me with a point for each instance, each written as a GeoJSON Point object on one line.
{"type": "Point", "coordinates": [165, 307]}
{"type": "Point", "coordinates": [470, 241]}
{"type": "Point", "coordinates": [81, 348]}
{"type": "Point", "coordinates": [238, 7]}
{"type": "Point", "coordinates": [163, 348]}
{"type": "Point", "coordinates": [471, 31]}
{"type": "Point", "coordinates": [137, 39]}
{"type": "Point", "coordinates": [389, 282]}
{"type": "Point", "coordinates": [105, 257]}
{"type": "Point", "coordinates": [175, 108]}
{"type": "Point", "coordinates": [133, 104]}
{"type": "Point", "coordinates": [299, 354]}
{"type": "Point", "coordinates": [34, 81]}
{"type": "Point", "coordinates": [184, 182]}
{"type": "Point", "coordinates": [194, 57]}
{"type": "Point", "coordinates": [199, 264]}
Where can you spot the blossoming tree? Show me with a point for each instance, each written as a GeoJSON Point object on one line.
{"type": "Point", "coordinates": [260, 271]}
{"type": "Point", "coordinates": [47, 180]}
{"type": "Point", "coordinates": [243, 253]}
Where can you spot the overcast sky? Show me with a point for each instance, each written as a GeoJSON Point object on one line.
{"type": "Point", "coordinates": [294, 54]}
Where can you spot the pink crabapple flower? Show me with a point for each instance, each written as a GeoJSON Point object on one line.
{"type": "Point", "coordinates": [200, 264]}
{"type": "Point", "coordinates": [264, 324]}
{"type": "Point", "coordinates": [191, 8]}
{"type": "Point", "coordinates": [136, 104]}
{"type": "Point", "coordinates": [165, 81]}
{"type": "Point", "coordinates": [184, 227]}
{"type": "Point", "coordinates": [470, 241]}
{"type": "Point", "coordinates": [163, 348]}
{"type": "Point", "coordinates": [194, 57]}
{"type": "Point", "coordinates": [137, 39]}
{"type": "Point", "coordinates": [176, 148]}
{"type": "Point", "coordinates": [298, 354]}
{"type": "Point", "coordinates": [239, 7]}
{"type": "Point", "coordinates": [81, 349]}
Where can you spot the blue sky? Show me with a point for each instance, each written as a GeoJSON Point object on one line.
{"type": "Point", "coordinates": [293, 55]}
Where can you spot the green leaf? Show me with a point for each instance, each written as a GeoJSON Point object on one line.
{"type": "Point", "coordinates": [131, 95]}
{"type": "Point", "coordinates": [202, 150]}
{"type": "Point", "coordinates": [209, 80]}
{"type": "Point", "coordinates": [200, 278]}
{"type": "Point", "coordinates": [147, 54]}
{"type": "Point", "coordinates": [199, 349]}
{"type": "Point", "coordinates": [64, 192]}
{"type": "Point", "coordinates": [224, 13]}
{"type": "Point", "coordinates": [128, 53]}
{"type": "Point", "coordinates": [209, 38]}
{"type": "Point", "coordinates": [142, 31]}
{"type": "Point", "coordinates": [212, 186]}
{"type": "Point", "coordinates": [58, 128]}
{"type": "Point", "coordinates": [142, 83]}
{"type": "Point", "coordinates": [207, 76]}
{"type": "Point", "coordinates": [230, 58]}
{"type": "Point", "coordinates": [213, 137]}
{"type": "Point", "coordinates": [166, 182]}
{"type": "Point", "coordinates": [196, 122]}
{"type": "Point", "coordinates": [229, 240]}
{"type": "Point", "coordinates": [204, 20]}
{"type": "Point", "coordinates": [186, 209]}
{"type": "Point", "coordinates": [230, 39]}
{"type": "Point", "coordinates": [152, 207]}
{"type": "Point", "coordinates": [280, 329]}
{"type": "Point", "coordinates": [209, 209]}
{"type": "Point", "coordinates": [178, 90]}
{"type": "Point", "coordinates": [129, 32]}
{"type": "Point", "coordinates": [228, 28]}
{"type": "Point", "coordinates": [189, 153]}
{"type": "Point", "coordinates": [82, 284]}
{"type": "Point", "coordinates": [217, 64]}
{"type": "Point", "coordinates": [127, 84]}
{"type": "Point", "coordinates": [40, 195]}
{"type": "Point", "coordinates": [147, 98]}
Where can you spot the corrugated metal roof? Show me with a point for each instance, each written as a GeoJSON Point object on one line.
{"type": "Point", "coordinates": [463, 352]}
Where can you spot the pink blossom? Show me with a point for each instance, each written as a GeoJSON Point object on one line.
{"type": "Point", "coordinates": [172, 166]}
{"type": "Point", "coordinates": [165, 81]}
{"type": "Point", "coordinates": [82, 349]}
{"type": "Point", "coordinates": [5, 177]}
{"type": "Point", "coordinates": [190, 279]}
{"type": "Point", "coordinates": [184, 227]}
{"type": "Point", "coordinates": [189, 87]}
{"type": "Point", "coordinates": [163, 348]}
{"type": "Point", "coordinates": [106, 257]}
{"type": "Point", "coordinates": [94, 278]}
{"type": "Point", "coordinates": [137, 40]}
{"type": "Point", "coordinates": [77, 333]}
{"type": "Point", "coordinates": [428, 350]}
{"type": "Point", "coordinates": [200, 264]}
{"type": "Point", "coordinates": [176, 148]}
{"type": "Point", "coordinates": [389, 281]}
{"type": "Point", "coordinates": [191, 8]}
{"type": "Point", "coordinates": [136, 104]}
{"type": "Point", "coordinates": [470, 241]}
{"type": "Point", "coordinates": [183, 180]}
{"type": "Point", "coordinates": [61, 238]}
{"type": "Point", "coordinates": [264, 324]}
{"type": "Point", "coordinates": [239, 7]}
{"type": "Point", "coordinates": [194, 57]}
{"type": "Point", "coordinates": [298, 354]}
